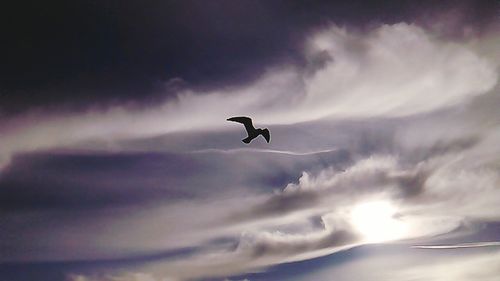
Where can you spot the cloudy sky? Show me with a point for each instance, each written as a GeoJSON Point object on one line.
{"type": "Point", "coordinates": [117, 163]}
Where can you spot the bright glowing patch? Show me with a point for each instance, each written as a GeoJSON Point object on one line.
{"type": "Point", "coordinates": [376, 222]}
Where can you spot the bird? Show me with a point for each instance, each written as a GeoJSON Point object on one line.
{"type": "Point", "coordinates": [251, 130]}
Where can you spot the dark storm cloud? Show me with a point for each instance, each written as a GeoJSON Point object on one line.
{"type": "Point", "coordinates": [83, 52]}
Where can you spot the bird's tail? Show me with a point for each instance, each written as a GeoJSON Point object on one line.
{"type": "Point", "coordinates": [247, 140]}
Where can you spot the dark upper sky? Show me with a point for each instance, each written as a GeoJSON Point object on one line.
{"type": "Point", "coordinates": [85, 52]}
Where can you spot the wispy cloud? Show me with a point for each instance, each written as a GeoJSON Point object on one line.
{"type": "Point", "coordinates": [459, 246]}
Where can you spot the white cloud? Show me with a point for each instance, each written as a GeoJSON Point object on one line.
{"type": "Point", "coordinates": [393, 71]}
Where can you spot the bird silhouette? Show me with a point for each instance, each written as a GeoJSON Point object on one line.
{"type": "Point", "coordinates": [251, 130]}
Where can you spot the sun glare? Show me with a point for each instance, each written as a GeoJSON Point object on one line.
{"type": "Point", "coordinates": [375, 221]}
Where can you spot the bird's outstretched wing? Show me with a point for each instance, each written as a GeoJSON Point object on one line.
{"type": "Point", "coordinates": [245, 121]}
{"type": "Point", "coordinates": [267, 135]}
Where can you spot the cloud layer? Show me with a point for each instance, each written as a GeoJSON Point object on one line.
{"type": "Point", "coordinates": [394, 115]}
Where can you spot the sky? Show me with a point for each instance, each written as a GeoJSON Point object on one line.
{"type": "Point", "coordinates": [117, 162]}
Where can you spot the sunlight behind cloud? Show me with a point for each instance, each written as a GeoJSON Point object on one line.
{"type": "Point", "coordinates": [376, 221]}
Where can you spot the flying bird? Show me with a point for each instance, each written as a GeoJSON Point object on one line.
{"type": "Point", "coordinates": [251, 130]}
